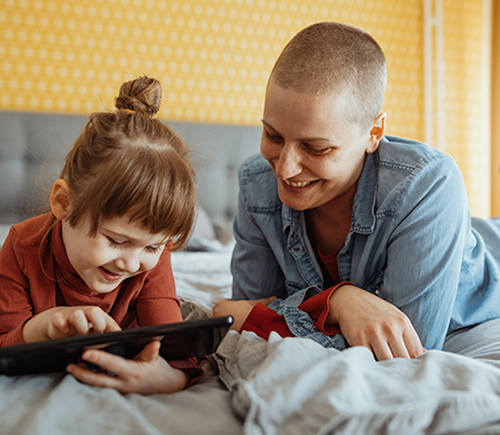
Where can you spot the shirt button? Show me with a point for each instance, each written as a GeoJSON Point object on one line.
{"type": "Point", "coordinates": [294, 325]}
{"type": "Point", "coordinates": [377, 292]}
{"type": "Point", "coordinates": [296, 249]}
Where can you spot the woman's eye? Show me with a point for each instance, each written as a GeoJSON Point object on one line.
{"type": "Point", "coordinates": [315, 151]}
{"type": "Point", "coordinates": [274, 139]}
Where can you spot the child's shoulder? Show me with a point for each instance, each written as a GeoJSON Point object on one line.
{"type": "Point", "coordinates": [31, 232]}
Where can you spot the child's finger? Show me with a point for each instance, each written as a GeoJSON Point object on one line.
{"type": "Point", "coordinates": [59, 322]}
{"type": "Point", "coordinates": [78, 320]}
{"type": "Point", "coordinates": [107, 362]}
{"type": "Point", "coordinates": [150, 353]}
{"type": "Point", "coordinates": [89, 377]}
{"type": "Point", "coordinates": [101, 321]}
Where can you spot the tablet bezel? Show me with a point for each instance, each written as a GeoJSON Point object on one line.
{"type": "Point", "coordinates": [193, 338]}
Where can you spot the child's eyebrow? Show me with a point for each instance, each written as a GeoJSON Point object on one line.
{"type": "Point", "coordinates": [165, 240]}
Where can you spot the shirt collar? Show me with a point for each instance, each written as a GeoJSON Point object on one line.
{"type": "Point", "coordinates": [363, 209]}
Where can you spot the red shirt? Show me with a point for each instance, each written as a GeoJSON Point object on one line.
{"type": "Point", "coordinates": [36, 275]}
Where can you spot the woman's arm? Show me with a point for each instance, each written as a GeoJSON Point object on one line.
{"type": "Point", "coordinates": [367, 320]}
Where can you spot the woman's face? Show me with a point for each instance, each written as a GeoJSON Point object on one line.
{"type": "Point", "coordinates": [315, 153]}
{"type": "Point", "coordinates": [119, 250]}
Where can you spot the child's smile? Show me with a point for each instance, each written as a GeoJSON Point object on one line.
{"type": "Point", "coordinates": [120, 249]}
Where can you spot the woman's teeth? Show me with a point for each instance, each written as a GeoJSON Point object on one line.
{"type": "Point", "coordinates": [297, 183]}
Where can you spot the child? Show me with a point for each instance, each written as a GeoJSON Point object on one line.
{"type": "Point", "coordinates": [100, 260]}
{"type": "Point", "coordinates": [347, 236]}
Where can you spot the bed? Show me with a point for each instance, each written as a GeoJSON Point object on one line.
{"type": "Point", "coordinates": [251, 386]}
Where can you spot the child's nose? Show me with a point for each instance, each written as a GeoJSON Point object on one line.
{"type": "Point", "coordinates": [129, 262]}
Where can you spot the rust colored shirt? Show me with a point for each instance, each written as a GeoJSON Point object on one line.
{"type": "Point", "coordinates": [36, 275]}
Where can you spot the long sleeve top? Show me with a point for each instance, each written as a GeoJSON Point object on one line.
{"type": "Point", "coordinates": [36, 275]}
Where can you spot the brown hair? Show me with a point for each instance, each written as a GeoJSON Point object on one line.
{"type": "Point", "coordinates": [127, 163]}
{"type": "Point", "coordinates": [335, 58]}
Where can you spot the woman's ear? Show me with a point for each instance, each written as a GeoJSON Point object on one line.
{"type": "Point", "coordinates": [60, 198]}
{"type": "Point", "coordinates": [376, 133]}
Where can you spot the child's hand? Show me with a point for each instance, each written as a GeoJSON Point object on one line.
{"type": "Point", "coordinates": [147, 373]}
{"type": "Point", "coordinates": [61, 322]}
{"type": "Point", "coordinates": [238, 309]}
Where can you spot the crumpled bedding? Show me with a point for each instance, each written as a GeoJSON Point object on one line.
{"type": "Point", "coordinates": [295, 386]}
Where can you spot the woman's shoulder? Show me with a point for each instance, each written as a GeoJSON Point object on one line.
{"type": "Point", "coordinates": [258, 186]}
{"type": "Point", "coordinates": [408, 155]}
{"type": "Point", "coordinates": [254, 165]}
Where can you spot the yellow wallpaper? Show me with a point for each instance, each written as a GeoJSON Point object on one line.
{"type": "Point", "coordinates": [495, 112]}
{"type": "Point", "coordinates": [214, 57]}
{"type": "Point", "coordinates": [467, 108]}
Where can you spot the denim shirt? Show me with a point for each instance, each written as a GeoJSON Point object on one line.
{"type": "Point", "coordinates": [411, 243]}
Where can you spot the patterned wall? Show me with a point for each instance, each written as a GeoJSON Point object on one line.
{"type": "Point", "coordinates": [214, 58]}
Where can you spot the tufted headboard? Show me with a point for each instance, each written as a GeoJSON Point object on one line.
{"type": "Point", "coordinates": [34, 145]}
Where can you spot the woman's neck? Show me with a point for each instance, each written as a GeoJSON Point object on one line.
{"type": "Point", "coordinates": [330, 223]}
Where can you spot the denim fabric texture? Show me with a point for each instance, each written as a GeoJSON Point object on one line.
{"type": "Point", "coordinates": [412, 242]}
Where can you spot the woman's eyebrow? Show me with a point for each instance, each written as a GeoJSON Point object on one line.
{"type": "Point", "coordinates": [305, 139]}
{"type": "Point", "coordinates": [269, 126]}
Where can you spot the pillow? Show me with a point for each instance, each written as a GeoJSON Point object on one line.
{"type": "Point", "coordinates": [4, 230]}
{"type": "Point", "coordinates": [203, 227]}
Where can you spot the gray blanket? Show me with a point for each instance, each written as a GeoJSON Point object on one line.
{"type": "Point", "coordinates": [295, 386]}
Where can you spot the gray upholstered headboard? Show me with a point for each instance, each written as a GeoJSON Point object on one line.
{"type": "Point", "coordinates": [33, 147]}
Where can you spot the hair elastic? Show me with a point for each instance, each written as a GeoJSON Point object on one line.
{"type": "Point", "coordinates": [129, 111]}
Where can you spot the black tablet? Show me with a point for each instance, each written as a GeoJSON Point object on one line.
{"type": "Point", "coordinates": [196, 338]}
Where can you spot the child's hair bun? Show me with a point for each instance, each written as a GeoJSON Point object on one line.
{"type": "Point", "coordinates": [140, 95]}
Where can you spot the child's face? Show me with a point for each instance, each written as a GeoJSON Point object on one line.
{"type": "Point", "coordinates": [316, 155]}
{"type": "Point", "coordinates": [119, 250]}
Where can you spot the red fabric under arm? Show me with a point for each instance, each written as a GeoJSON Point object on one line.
{"type": "Point", "coordinates": [262, 320]}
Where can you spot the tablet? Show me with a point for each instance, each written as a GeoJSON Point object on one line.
{"type": "Point", "coordinates": [196, 338]}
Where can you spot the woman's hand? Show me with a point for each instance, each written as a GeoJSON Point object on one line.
{"type": "Point", "coordinates": [367, 320]}
{"type": "Point", "coordinates": [238, 309]}
{"type": "Point", "coordinates": [61, 322]}
{"type": "Point", "coordinates": [147, 373]}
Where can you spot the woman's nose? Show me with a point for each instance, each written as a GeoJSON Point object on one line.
{"type": "Point", "coordinates": [288, 163]}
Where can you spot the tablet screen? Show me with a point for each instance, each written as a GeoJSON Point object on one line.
{"type": "Point", "coordinates": [196, 338]}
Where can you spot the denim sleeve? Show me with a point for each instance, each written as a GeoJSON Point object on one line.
{"type": "Point", "coordinates": [301, 324]}
{"type": "Point", "coordinates": [425, 249]}
{"type": "Point", "coordinates": [256, 272]}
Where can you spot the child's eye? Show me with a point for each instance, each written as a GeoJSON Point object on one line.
{"type": "Point", "coordinates": [115, 244]}
{"type": "Point", "coordinates": [152, 249]}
